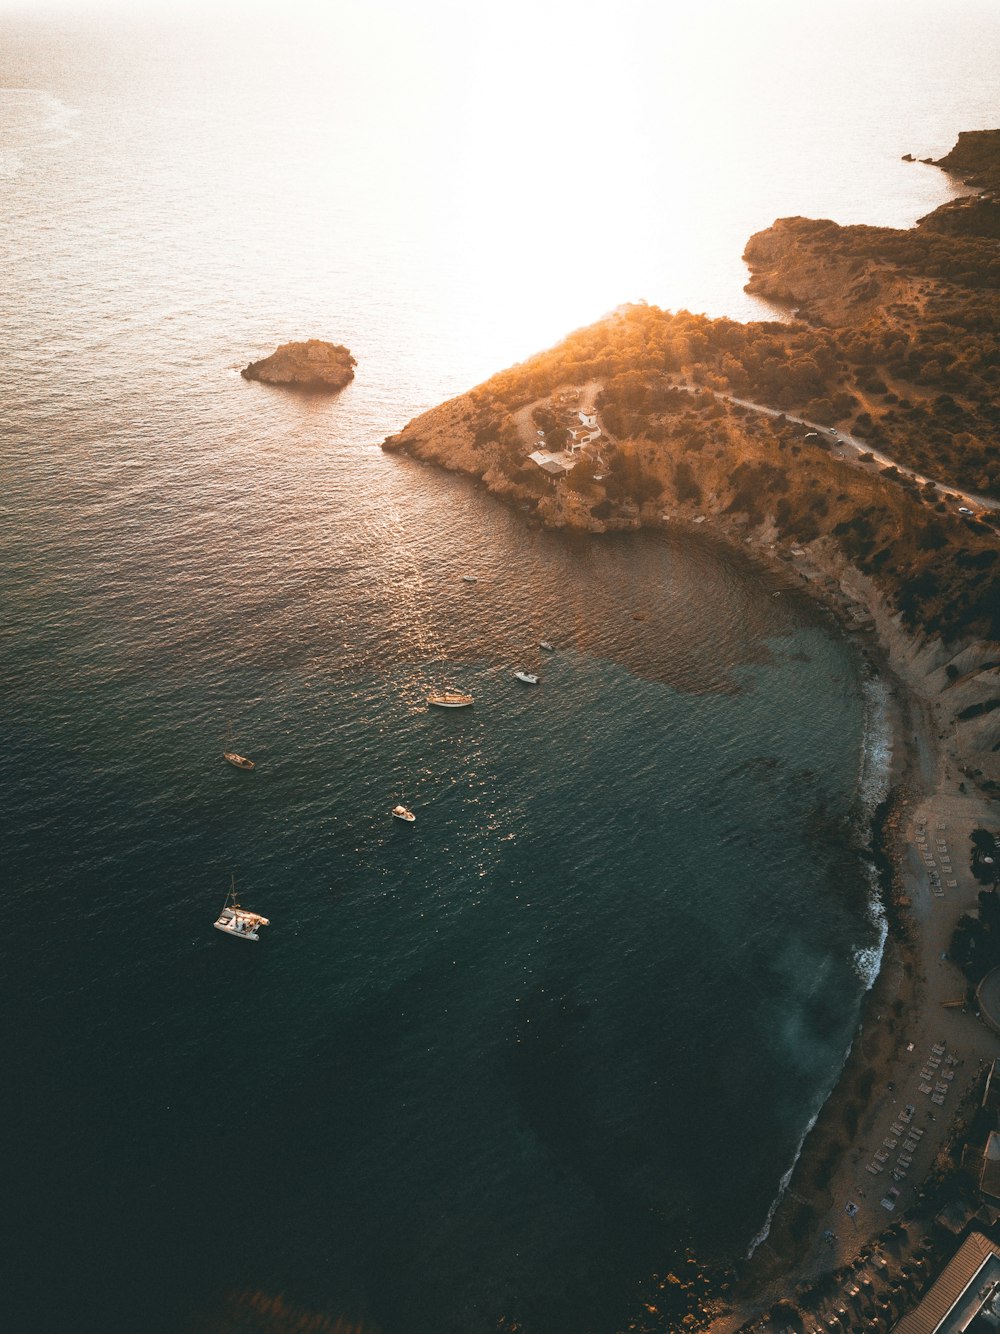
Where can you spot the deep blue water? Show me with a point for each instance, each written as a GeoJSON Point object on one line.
{"type": "Point", "coordinates": [505, 1063]}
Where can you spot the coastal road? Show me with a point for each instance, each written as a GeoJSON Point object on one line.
{"type": "Point", "coordinates": [850, 447]}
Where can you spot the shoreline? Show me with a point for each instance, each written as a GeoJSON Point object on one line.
{"type": "Point", "coordinates": [810, 1236]}
{"type": "Point", "coordinates": [901, 1014]}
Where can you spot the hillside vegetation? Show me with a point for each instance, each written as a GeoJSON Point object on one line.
{"type": "Point", "coordinates": [901, 349]}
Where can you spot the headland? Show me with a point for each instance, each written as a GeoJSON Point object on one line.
{"type": "Point", "coordinates": [853, 448]}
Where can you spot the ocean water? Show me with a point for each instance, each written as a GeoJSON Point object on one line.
{"type": "Point", "coordinates": [509, 1062]}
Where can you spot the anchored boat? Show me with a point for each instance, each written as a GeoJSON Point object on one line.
{"type": "Point", "coordinates": [240, 761]}
{"type": "Point", "coordinates": [449, 699]}
{"type": "Point", "coordinates": [231, 757]}
{"type": "Point", "coordinates": [237, 921]}
{"type": "Point", "coordinates": [403, 813]}
{"type": "Point", "coordinates": [529, 678]}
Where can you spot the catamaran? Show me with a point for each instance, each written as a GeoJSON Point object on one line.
{"type": "Point", "coordinates": [237, 921]}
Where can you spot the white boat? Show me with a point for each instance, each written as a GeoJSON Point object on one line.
{"type": "Point", "coordinates": [529, 678]}
{"type": "Point", "coordinates": [240, 761]}
{"type": "Point", "coordinates": [549, 648]}
{"type": "Point", "coordinates": [449, 699]}
{"type": "Point", "coordinates": [403, 813]}
{"type": "Point", "coordinates": [231, 757]}
{"type": "Point", "coordinates": [237, 921]}
{"type": "Point", "coordinates": [470, 579]}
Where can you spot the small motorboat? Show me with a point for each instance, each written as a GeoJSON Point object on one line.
{"type": "Point", "coordinates": [240, 761]}
{"type": "Point", "coordinates": [449, 699]}
{"type": "Point", "coordinates": [237, 921]}
{"type": "Point", "coordinates": [403, 813]}
{"type": "Point", "coordinates": [549, 648]}
{"type": "Point", "coordinates": [470, 579]}
{"type": "Point", "coordinates": [529, 678]}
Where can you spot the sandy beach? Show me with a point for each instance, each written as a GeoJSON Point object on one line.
{"type": "Point", "coordinates": [909, 1016]}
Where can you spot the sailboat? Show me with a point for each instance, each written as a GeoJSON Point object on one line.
{"type": "Point", "coordinates": [238, 761]}
{"type": "Point", "coordinates": [237, 921]}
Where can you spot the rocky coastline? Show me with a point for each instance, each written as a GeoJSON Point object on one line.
{"type": "Point", "coordinates": [312, 365]}
{"type": "Point", "coordinates": [687, 453]}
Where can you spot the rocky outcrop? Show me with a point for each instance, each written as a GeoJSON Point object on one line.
{"type": "Point", "coordinates": [314, 365]}
{"type": "Point", "coordinates": [802, 262]}
{"type": "Point", "coordinates": [975, 159]}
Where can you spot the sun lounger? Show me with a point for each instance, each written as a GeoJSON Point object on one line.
{"type": "Point", "coordinates": [925, 1073]}
{"type": "Point", "coordinates": [910, 1146]}
{"type": "Point", "coordinates": [947, 1074]}
{"type": "Point", "coordinates": [896, 1128]}
{"type": "Point", "coordinates": [881, 1155]}
{"type": "Point", "coordinates": [889, 1142]}
{"type": "Point", "coordinates": [938, 1048]}
{"type": "Point", "coordinates": [874, 1168]}
{"type": "Point", "coordinates": [926, 1088]}
{"type": "Point", "coordinates": [918, 1133]}
{"type": "Point", "coordinates": [904, 1160]}
{"type": "Point", "coordinates": [952, 884]}
{"type": "Point", "coordinates": [940, 1088]}
{"type": "Point", "coordinates": [937, 1099]}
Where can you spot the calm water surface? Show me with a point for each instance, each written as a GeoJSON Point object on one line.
{"type": "Point", "coordinates": [507, 1062]}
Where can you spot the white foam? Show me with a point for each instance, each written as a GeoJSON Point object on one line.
{"type": "Point", "coordinates": [868, 958]}
{"type": "Point", "coordinates": [783, 1184]}
{"type": "Point", "coordinates": [876, 748]}
{"type": "Point", "coordinates": [873, 788]}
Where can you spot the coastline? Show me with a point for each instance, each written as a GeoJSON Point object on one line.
{"type": "Point", "coordinates": [807, 1236]}
{"type": "Point", "coordinates": [901, 1014]}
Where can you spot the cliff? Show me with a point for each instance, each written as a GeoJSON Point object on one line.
{"type": "Point", "coordinates": [975, 159]}
{"type": "Point", "coordinates": [313, 365]}
{"type": "Point", "coordinates": [849, 276]}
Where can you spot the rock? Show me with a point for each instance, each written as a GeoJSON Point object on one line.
{"type": "Point", "coordinates": [314, 365]}
{"type": "Point", "coordinates": [908, 157]}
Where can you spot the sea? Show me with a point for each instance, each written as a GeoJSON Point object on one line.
{"type": "Point", "coordinates": [506, 1068]}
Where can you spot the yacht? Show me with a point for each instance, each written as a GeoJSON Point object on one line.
{"type": "Point", "coordinates": [529, 678]}
{"type": "Point", "coordinates": [240, 761]}
{"type": "Point", "coordinates": [549, 648]}
{"type": "Point", "coordinates": [231, 757]}
{"type": "Point", "coordinates": [449, 699]}
{"type": "Point", "coordinates": [237, 921]}
{"type": "Point", "coordinates": [403, 813]}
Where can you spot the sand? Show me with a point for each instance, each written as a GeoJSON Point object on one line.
{"type": "Point", "coordinates": [905, 1014]}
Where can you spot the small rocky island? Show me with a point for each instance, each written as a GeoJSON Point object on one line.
{"type": "Point", "coordinates": [313, 365]}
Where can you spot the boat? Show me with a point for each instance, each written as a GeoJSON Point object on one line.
{"type": "Point", "coordinates": [231, 757]}
{"type": "Point", "coordinates": [449, 699]}
{"type": "Point", "coordinates": [237, 921]}
{"type": "Point", "coordinates": [240, 761]}
{"type": "Point", "coordinates": [403, 813]}
{"type": "Point", "coordinates": [529, 678]}
{"type": "Point", "coordinates": [549, 648]}
{"type": "Point", "coordinates": [470, 579]}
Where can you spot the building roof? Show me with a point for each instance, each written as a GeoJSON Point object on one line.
{"type": "Point", "coordinates": [548, 463]}
{"type": "Point", "coordinates": [959, 1291]}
